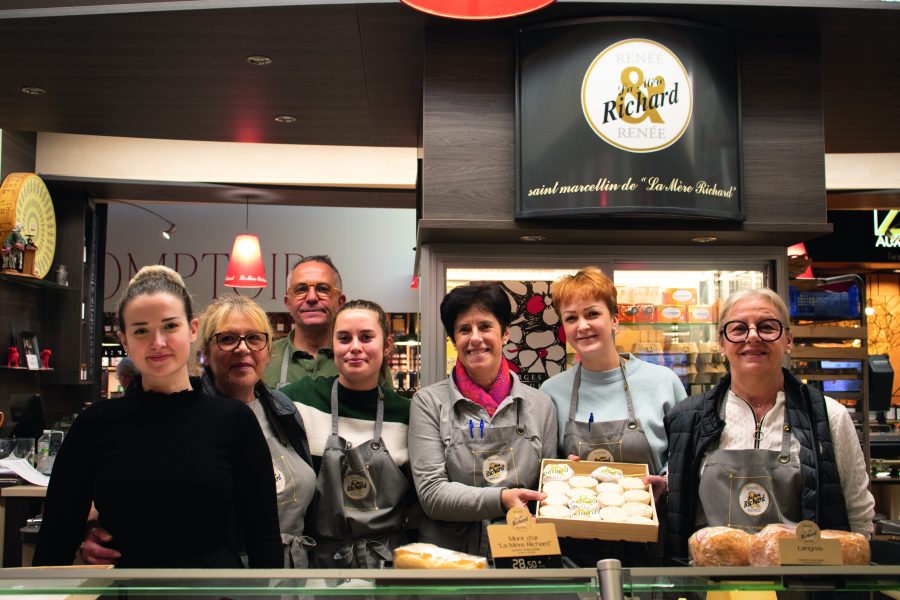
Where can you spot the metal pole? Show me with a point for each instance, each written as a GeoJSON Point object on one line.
{"type": "Point", "coordinates": [610, 572]}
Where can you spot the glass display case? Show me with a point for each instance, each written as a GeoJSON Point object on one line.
{"type": "Point", "coordinates": [607, 582]}
{"type": "Point", "coordinates": [667, 312]}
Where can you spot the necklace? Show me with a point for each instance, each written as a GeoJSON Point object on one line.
{"type": "Point", "coordinates": [755, 405]}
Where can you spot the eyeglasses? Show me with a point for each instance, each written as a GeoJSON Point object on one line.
{"type": "Point", "coordinates": [768, 330]}
{"type": "Point", "coordinates": [323, 290]}
{"type": "Point", "coordinates": [229, 340]}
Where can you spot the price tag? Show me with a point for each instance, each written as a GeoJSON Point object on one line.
{"type": "Point", "coordinates": [808, 548]}
{"type": "Point", "coordinates": [532, 562]}
{"type": "Point", "coordinates": [524, 544]}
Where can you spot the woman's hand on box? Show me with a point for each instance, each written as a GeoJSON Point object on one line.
{"type": "Point", "coordinates": [573, 457]}
{"type": "Point", "coordinates": [658, 485]}
{"type": "Point", "coordinates": [513, 497]}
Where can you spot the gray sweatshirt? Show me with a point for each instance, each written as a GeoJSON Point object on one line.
{"type": "Point", "coordinates": [445, 500]}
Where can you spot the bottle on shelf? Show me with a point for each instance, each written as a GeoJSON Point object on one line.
{"type": "Point", "coordinates": [42, 461]}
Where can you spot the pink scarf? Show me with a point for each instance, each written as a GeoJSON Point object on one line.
{"type": "Point", "coordinates": [490, 399]}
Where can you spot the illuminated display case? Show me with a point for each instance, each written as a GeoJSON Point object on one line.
{"type": "Point", "coordinates": [668, 301]}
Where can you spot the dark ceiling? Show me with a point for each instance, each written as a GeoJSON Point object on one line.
{"type": "Point", "coordinates": [351, 74]}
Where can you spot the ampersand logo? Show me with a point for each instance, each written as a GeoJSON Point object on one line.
{"type": "Point", "coordinates": [636, 95]}
{"type": "Point", "coordinates": [494, 469]}
{"type": "Point", "coordinates": [280, 481]}
{"type": "Point", "coordinates": [356, 487]}
{"type": "Point", "coordinates": [600, 455]}
{"type": "Point", "coordinates": [753, 499]}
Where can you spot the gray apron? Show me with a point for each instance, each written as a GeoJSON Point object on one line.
{"type": "Point", "coordinates": [752, 488]}
{"type": "Point", "coordinates": [294, 485]}
{"type": "Point", "coordinates": [360, 512]}
{"type": "Point", "coordinates": [285, 363]}
{"type": "Point", "coordinates": [483, 457]}
{"type": "Point", "coordinates": [608, 441]}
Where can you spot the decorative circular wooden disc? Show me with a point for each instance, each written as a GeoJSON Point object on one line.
{"type": "Point", "coordinates": [24, 199]}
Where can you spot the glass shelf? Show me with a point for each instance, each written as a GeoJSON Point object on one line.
{"type": "Point", "coordinates": [36, 283]}
{"type": "Point", "coordinates": [513, 583]}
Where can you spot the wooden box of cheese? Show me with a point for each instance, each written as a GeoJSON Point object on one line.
{"type": "Point", "coordinates": [591, 528]}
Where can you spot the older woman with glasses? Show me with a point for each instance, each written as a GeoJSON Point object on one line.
{"type": "Point", "coordinates": [762, 447]}
{"type": "Point", "coordinates": [236, 334]}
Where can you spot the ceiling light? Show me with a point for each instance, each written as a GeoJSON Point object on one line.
{"type": "Point", "coordinates": [167, 233]}
{"type": "Point", "coordinates": [532, 238]}
{"type": "Point", "coordinates": [33, 90]}
{"type": "Point", "coordinates": [704, 239]}
{"type": "Point", "coordinates": [258, 60]}
{"type": "Point", "coordinates": [285, 119]}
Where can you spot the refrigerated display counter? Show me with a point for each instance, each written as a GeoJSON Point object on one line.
{"type": "Point", "coordinates": [607, 582]}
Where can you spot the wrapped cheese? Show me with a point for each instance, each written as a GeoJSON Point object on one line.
{"type": "Point", "coordinates": [429, 556]}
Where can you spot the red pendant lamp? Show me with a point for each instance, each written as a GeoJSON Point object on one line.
{"type": "Point", "coordinates": [477, 10]}
{"type": "Point", "coordinates": [245, 267]}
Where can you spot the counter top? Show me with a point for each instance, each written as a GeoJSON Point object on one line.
{"type": "Point", "coordinates": [517, 584]}
{"type": "Point", "coordinates": [23, 491]}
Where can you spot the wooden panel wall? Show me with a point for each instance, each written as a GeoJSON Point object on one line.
{"type": "Point", "coordinates": [469, 136]}
{"type": "Point", "coordinates": [17, 152]}
{"type": "Point", "coordinates": [469, 131]}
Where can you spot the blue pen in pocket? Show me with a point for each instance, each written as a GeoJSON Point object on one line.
{"type": "Point", "coordinates": [590, 421]}
{"type": "Point", "coordinates": [481, 427]}
{"type": "Point", "coordinates": [471, 429]}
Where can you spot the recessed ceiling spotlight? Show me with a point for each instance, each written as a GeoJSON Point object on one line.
{"type": "Point", "coordinates": [258, 60]}
{"type": "Point", "coordinates": [704, 239]}
{"type": "Point", "coordinates": [33, 90]}
{"type": "Point", "coordinates": [285, 119]}
{"type": "Point", "coordinates": [532, 238]}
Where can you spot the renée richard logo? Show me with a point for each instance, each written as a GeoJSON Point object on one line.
{"type": "Point", "coordinates": [636, 95]}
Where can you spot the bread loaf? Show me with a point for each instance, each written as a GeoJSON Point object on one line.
{"type": "Point", "coordinates": [764, 548]}
{"type": "Point", "coordinates": [854, 546]}
{"type": "Point", "coordinates": [429, 556]}
{"type": "Point", "coordinates": [719, 547]}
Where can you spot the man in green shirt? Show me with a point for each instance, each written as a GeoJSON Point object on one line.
{"type": "Point", "coordinates": [313, 296]}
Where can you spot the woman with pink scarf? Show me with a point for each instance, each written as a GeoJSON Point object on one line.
{"type": "Point", "coordinates": [477, 438]}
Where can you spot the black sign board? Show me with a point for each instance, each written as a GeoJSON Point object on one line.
{"type": "Point", "coordinates": [627, 118]}
{"type": "Point", "coordinates": [859, 236]}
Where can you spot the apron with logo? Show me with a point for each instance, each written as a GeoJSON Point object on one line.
{"type": "Point", "coordinates": [360, 512]}
{"type": "Point", "coordinates": [483, 457]}
{"type": "Point", "coordinates": [608, 441]}
{"type": "Point", "coordinates": [751, 488]}
{"type": "Point", "coordinates": [294, 486]}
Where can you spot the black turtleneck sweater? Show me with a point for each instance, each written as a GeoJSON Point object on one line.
{"type": "Point", "coordinates": [180, 480]}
